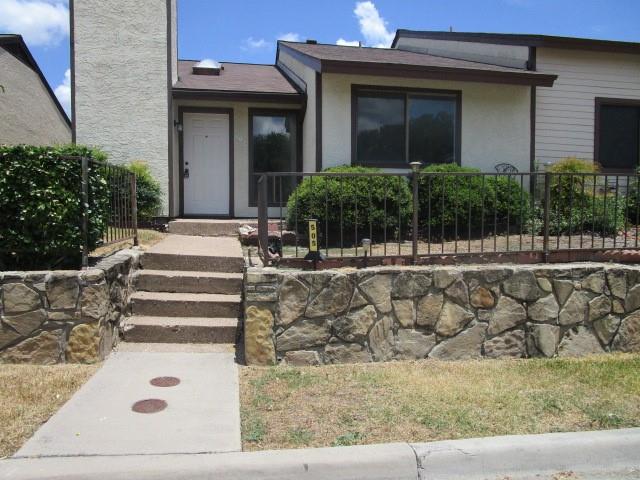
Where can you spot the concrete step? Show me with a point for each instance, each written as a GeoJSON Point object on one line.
{"type": "Point", "coordinates": [176, 347]}
{"type": "Point", "coordinates": [188, 282]}
{"type": "Point", "coordinates": [194, 263]}
{"type": "Point", "coordinates": [142, 329]}
{"type": "Point", "coordinates": [210, 305]}
{"type": "Point", "coordinates": [207, 228]}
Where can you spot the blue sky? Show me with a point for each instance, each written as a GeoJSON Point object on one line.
{"type": "Point", "coordinates": [246, 30]}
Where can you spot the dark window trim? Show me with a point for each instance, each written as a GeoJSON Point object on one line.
{"type": "Point", "coordinates": [230, 113]}
{"type": "Point", "coordinates": [404, 92]}
{"type": "Point", "coordinates": [253, 201]}
{"type": "Point", "coordinates": [600, 101]}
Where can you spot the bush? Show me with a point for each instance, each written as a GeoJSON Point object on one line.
{"type": "Point", "coordinates": [633, 199]}
{"type": "Point", "coordinates": [471, 200]}
{"type": "Point", "coordinates": [41, 205]}
{"type": "Point", "coordinates": [574, 206]}
{"type": "Point", "coordinates": [148, 191]}
{"type": "Point", "coordinates": [322, 197]}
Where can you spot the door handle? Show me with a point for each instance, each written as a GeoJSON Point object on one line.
{"type": "Point", "coordinates": [186, 173]}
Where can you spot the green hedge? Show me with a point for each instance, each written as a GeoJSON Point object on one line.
{"type": "Point", "coordinates": [148, 192]}
{"type": "Point", "coordinates": [474, 201]}
{"type": "Point", "coordinates": [40, 201]}
{"type": "Point", "coordinates": [322, 197]}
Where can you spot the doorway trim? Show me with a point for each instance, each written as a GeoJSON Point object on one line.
{"type": "Point", "coordinates": [599, 101]}
{"type": "Point", "coordinates": [225, 111]}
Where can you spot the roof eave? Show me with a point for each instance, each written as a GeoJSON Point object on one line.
{"type": "Point", "coordinates": [239, 96]}
{"type": "Point", "coordinates": [439, 73]}
{"type": "Point", "coordinates": [529, 40]}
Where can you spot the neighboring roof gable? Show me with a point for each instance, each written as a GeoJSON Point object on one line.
{"type": "Point", "coordinates": [240, 80]}
{"type": "Point", "coordinates": [572, 43]}
{"type": "Point", "coordinates": [393, 62]}
{"type": "Point", "coordinates": [15, 45]}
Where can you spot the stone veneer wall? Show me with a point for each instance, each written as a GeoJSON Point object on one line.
{"type": "Point", "coordinates": [448, 313]}
{"type": "Point", "coordinates": [65, 316]}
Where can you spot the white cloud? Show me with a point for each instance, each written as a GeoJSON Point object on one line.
{"type": "Point", "coordinates": [40, 22]}
{"type": "Point", "coordinates": [372, 26]}
{"type": "Point", "coordinates": [348, 43]}
{"type": "Point", "coordinates": [63, 92]}
{"type": "Point", "coordinates": [255, 43]}
{"type": "Point", "coordinates": [290, 37]}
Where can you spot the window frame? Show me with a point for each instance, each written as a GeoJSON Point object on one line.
{"type": "Point", "coordinates": [406, 93]}
{"type": "Point", "coordinates": [614, 102]}
{"type": "Point", "coordinates": [262, 112]}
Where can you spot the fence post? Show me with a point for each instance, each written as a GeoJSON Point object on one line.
{"type": "Point", "coordinates": [263, 217]}
{"type": "Point", "coordinates": [134, 207]}
{"type": "Point", "coordinates": [415, 166]}
{"type": "Point", "coordinates": [85, 212]}
{"type": "Point", "coordinates": [547, 212]}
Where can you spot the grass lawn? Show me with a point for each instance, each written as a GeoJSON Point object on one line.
{"type": "Point", "coordinates": [286, 407]}
{"type": "Point", "coordinates": [30, 394]}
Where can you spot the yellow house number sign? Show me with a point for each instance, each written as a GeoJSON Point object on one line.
{"type": "Point", "coordinates": [313, 236]}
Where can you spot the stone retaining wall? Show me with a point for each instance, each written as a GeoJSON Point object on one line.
{"type": "Point", "coordinates": [448, 313]}
{"type": "Point", "coordinates": [65, 316]}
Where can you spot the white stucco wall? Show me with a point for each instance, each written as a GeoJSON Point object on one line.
{"type": "Point", "coordinates": [495, 119]}
{"type": "Point", "coordinates": [121, 93]}
{"type": "Point", "coordinates": [28, 114]}
{"type": "Point", "coordinates": [309, 127]}
{"type": "Point", "coordinates": [506, 55]}
{"type": "Point", "coordinates": [240, 151]}
{"type": "Point", "coordinates": [565, 113]}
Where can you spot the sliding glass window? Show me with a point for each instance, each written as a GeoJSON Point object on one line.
{"type": "Point", "coordinates": [274, 147]}
{"type": "Point", "coordinates": [392, 129]}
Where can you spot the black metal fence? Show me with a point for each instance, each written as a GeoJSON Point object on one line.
{"type": "Point", "coordinates": [424, 217]}
{"type": "Point", "coordinates": [110, 213]}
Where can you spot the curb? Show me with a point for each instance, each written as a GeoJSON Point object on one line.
{"type": "Point", "coordinates": [394, 461]}
{"type": "Point", "coordinates": [513, 457]}
{"type": "Point", "coordinates": [529, 456]}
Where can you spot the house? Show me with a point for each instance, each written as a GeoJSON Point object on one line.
{"type": "Point", "coordinates": [29, 111]}
{"type": "Point", "coordinates": [475, 99]}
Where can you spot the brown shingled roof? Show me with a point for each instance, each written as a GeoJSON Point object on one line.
{"type": "Point", "coordinates": [393, 62]}
{"type": "Point", "coordinates": [236, 79]}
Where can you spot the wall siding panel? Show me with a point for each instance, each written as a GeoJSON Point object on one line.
{"type": "Point", "coordinates": [565, 113]}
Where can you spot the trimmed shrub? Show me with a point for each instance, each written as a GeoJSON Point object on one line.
{"type": "Point", "coordinates": [363, 199]}
{"type": "Point", "coordinates": [41, 205]}
{"type": "Point", "coordinates": [575, 206]}
{"type": "Point", "coordinates": [148, 191]}
{"type": "Point", "coordinates": [497, 202]}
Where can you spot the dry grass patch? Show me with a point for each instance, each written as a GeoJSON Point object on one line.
{"type": "Point", "coordinates": [30, 394]}
{"type": "Point", "coordinates": [286, 407]}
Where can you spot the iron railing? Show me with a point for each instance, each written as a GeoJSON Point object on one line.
{"type": "Point", "coordinates": [114, 207]}
{"type": "Point", "coordinates": [426, 217]}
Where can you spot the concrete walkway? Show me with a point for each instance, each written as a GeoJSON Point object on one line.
{"type": "Point", "coordinates": [201, 415]}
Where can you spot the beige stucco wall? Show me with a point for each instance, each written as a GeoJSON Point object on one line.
{"type": "Point", "coordinates": [495, 119]}
{"type": "Point", "coordinates": [121, 85]}
{"type": "Point", "coordinates": [240, 150]}
{"type": "Point", "coordinates": [507, 55]}
{"type": "Point", "coordinates": [28, 114]}
{"type": "Point", "coordinates": [565, 113]}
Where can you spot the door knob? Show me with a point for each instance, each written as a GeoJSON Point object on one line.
{"type": "Point", "coordinates": [186, 173]}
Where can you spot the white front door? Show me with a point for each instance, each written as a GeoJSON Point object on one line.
{"type": "Point", "coordinates": [206, 164]}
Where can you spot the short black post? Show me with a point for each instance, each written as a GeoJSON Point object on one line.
{"type": "Point", "coordinates": [85, 212]}
{"type": "Point", "coordinates": [415, 166]}
{"type": "Point", "coordinates": [134, 208]}
{"type": "Point", "coordinates": [547, 213]}
{"type": "Point", "coordinates": [263, 218]}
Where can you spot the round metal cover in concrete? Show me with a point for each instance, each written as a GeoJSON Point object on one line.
{"type": "Point", "coordinates": [150, 405]}
{"type": "Point", "coordinates": [165, 381]}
